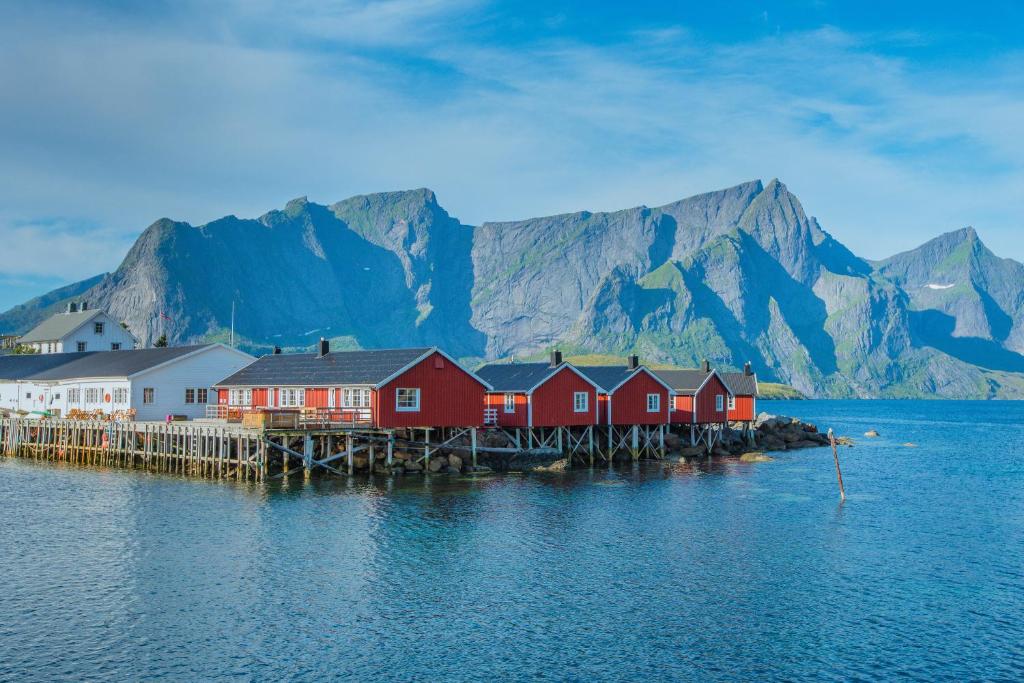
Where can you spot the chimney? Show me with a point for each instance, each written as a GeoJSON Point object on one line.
{"type": "Point", "coordinates": [324, 349]}
{"type": "Point", "coordinates": [85, 305]}
{"type": "Point", "coordinates": [747, 370]}
{"type": "Point", "coordinates": [705, 366]}
{"type": "Point", "coordinates": [556, 358]}
{"type": "Point", "coordinates": [634, 362]}
{"type": "Point", "coordinates": [277, 350]}
{"type": "Point", "coordinates": [72, 307]}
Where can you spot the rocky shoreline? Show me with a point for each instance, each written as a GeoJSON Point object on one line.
{"type": "Point", "coordinates": [771, 433]}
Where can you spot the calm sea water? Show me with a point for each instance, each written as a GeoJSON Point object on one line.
{"type": "Point", "coordinates": [724, 571]}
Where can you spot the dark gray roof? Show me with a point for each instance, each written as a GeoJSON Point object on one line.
{"type": "Point", "coordinates": [514, 376]}
{"type": "Point", "coordinates": [683, 381]}
{"type": "Point", "coordinates": [16, 367]}
{"type": "Point", "coordinates": [605, 376]}
{"type": "Point", "coordinates": [59, 325]}
{"type": "Point", "coordinates": [334, 369]}
{"type": "Point", "coordinates": [112, 363]}
{"type": "Point", "coordinates": [739, 383]}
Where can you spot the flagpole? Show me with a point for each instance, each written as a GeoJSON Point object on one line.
{"type": "Point", "coordinates": [232, 323]}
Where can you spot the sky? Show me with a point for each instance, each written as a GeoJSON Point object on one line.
{"type": "Point", "coordinates": [892, 122]}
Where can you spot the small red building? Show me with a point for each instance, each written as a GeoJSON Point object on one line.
{"type": "Point", "coordinates": [385, 389]}
{"type": "Point", "coordinates": [527, 395]}
{"type": "Point", "coordinates": [630, 394]}
{"type": "Point", "coordinates": [700, 397]}
{"type": "Point", "coordinates": [742, 405]}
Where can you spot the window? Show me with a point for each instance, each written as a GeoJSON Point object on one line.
{"type": "Point", "coordinates": [653, 403]}
{"type": "Point", "coordinates": [115, 346]}
{"type": "Point", "coordinates": [510, 403]}
{"type": "Point", "coordinates": [407, 400]}
{"type": "Point", "coordinates": [80, 347]}
{"type": "Point", "coordinates": [732, 403]}
{"type": "Point", "coordinates": [292, 398]}
{"type": "Point", "coordinates": [98, 328]}
{"type": "Point", "coordinates": [579, 401]}
{"type": "Point", "coordinates": [190, 395]}
{"type": "Point", "coordinates": [28, 395]}
{"type": "Point", "coordinates": [241, 397]}
{"type": "Point", "coordinates": [148, 395]}
{"type": "Point", "coordinates": [202, 395]}
{"type": "Point", "coordinates": [92, 395]}
{"type": "Point", "coordinates": [355, 398]}
{"type": "Point", "coordinates": [719, 402]}
{"type": "Point", "coordinates": [74, 395]}
{"type": "Point", "coordinates": [121, 395]}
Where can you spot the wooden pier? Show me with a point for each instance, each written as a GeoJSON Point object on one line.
{"type": "Point", "coordinates": [257, 454]}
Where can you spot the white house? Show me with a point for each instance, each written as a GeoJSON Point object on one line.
{"type": "Point", "coordinates": [155, 382]}
{"type": "Point", "coordinates": [79, 328]}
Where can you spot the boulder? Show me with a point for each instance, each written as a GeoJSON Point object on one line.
{"type": "Point", "coordinates": [453, 470]}
{"type": "Point", "coordinates": [692, 451]}
{"type": "Point", "coordinates": [411, 466]}
{"type": "Point", "coordinates": [672, 441]}
{"type": "Point", "coordinates": [755, 456]}
{"type": "Point", "coordinates": [361, 462]}
{"type": "Point", "coordinates": [871, 434]}
{"type": "Point", "coordinates": [438, 463]}
{"type": "Point", "coordinates": [455, 462]}
{"type": "Point", "coordinates": [770, 442]}
{"type": "Point", "coordinates": [557, 466]}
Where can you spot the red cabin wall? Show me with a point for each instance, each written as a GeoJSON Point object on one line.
{"type": "Point", "coordinates": [706, 412]}
{"type": "Point", "coordinates": [516, 419]}
{"type": "Point", "coordinates": [682, 410]}
{"type": "Point", "coordinates": [629, 402]}
{"type": "Point", "coordinates": [552, 401]}
{"type": "Point", "coordinates": [744, 410]}
{"type": "Point", "coordinates": [449, 397]}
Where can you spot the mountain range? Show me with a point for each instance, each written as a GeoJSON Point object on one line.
{"type": "Point", "coordinates": [733, 275]}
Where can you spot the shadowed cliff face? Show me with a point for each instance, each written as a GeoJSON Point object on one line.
{"type": "Point", "coordinates": [734, 275]}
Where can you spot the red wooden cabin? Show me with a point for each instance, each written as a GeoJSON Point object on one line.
{"type": "Point", "coordinates": [700, 397]}
{"type": "Point", "coordinates": [742, 406]}
{"type": "Point", "coordinates": [385, 389]}
{"type": "Point", "coordinates": [553, 394]}
{"type": "Point", "coordinates": [630, 394]}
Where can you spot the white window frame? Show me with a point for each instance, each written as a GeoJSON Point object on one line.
{"type": "Point", "coordinates": [97, 328]}
{"type": "Point", "coordinates": [415, 407]}
{"type": "Point", "coordinates": [719, 403]}
{"type": "Point", "coordinates": [510, 403]}
{"type": "Point", "coordinates": [202, 395]}
{"type": "Point", "coordinates": [120, 395]}
{"type": "Point", "coordinates": [654, 406]}
{"type": "Point", "coordinates": [580, 402]}
{"type": "Point", "coordinates": [74, 395]}
{"type": "Point", "coordinates": [115, 346]}
{"type": "Point", "coordinates": [80, 347]}
{"type": "Point", "coordinates": [190, 396]}
{"type": "Point", "coordinates": [355, 397]}
{"type": "Point", "coordinates": [731, 403]}
{"type": "Point", "coordinates": [290, 397]}
{"type": "Point", "coordinates": [148, 396]}
{"type": "Point", "coordinates": [93, 395]}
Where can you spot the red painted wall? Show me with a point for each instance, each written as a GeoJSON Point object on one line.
{"type": "Point", "coordinates": [629, 402]}
{"type": "Point", "coordinates": [553, 401]}
{"type": "Point", "coordinates": [516, 419]}
{"type": "Point", "coordinates": [449, 397]}
{"type": "Point", "coordinates": [682, 410]}
{"type": "Point", "coordinates": [706, 413]}
{"type": "Point", "coordinates": [744, 410]}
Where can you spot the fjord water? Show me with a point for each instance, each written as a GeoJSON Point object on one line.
{"type": "Point", "coordinates": [716, 571]}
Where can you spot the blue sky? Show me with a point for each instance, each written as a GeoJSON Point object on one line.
{"type": "Point", "coordinates": [893, 122]}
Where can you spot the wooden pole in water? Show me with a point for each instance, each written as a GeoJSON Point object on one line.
{"type": "Point", "coordinates": [839, 473]}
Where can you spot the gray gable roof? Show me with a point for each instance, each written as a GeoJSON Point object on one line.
{"type": "Point", "coordinates": [518, 377]}
{"type": "Point", "coordinates": [335, 369]}
{"type": "Point", "coordinates": [683, 381]}
{"type": "Point", "coordinates": [59, 325]}
{"type": "Point", "coordinates": [606, 376]}
{"type": "Point", "coordinates": [739, 383]}
{"type": "Point", "coordinates": [17, 367]}
{"type": "Point", "coordinates": [113, 363]}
